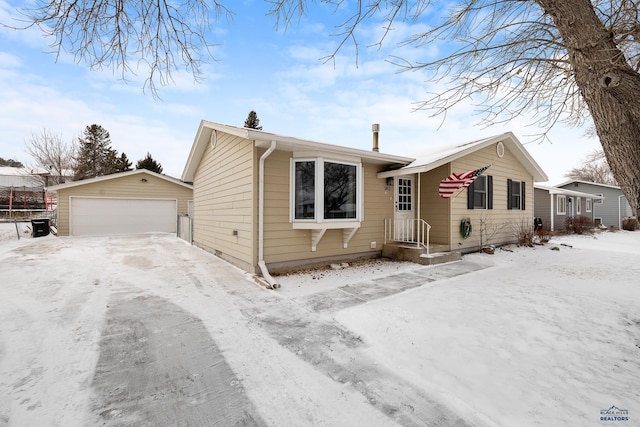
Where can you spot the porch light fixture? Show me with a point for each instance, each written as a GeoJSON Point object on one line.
{"type": "Point", "coordinates": [390, 181]}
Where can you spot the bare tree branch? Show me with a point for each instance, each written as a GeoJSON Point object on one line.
{"type": "Point", "coordinates": [155, 37]}
{"type": "Point", "coordinates": [50, 152]}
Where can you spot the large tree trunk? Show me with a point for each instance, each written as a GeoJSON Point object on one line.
{"type": "Point", "coordinates": [609, 86]}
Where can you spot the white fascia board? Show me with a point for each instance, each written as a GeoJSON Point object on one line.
{"type": "Point", "coordinates": [116, 176]}
{"type": "Point", "coordinates": [466, 149]}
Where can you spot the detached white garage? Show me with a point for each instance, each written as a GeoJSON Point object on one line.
{"type": "Point", "coordinates": [100, 216]}
{"type": "Point", "coordinates": [131, 202]}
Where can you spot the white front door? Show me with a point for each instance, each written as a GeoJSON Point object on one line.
{"type": "Point", "coordinates": [404, 224]}
{"type": "Point", "coordinates": [570, 207]}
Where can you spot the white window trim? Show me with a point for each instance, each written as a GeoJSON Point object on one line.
{"type": "Point", "coordinates": [558, 198]}
{"type": "Point", "coordinates": [588, 205]}
{"type": "Point", "coordinates": [320, 221]}
{"type": "Point", "coordinates": [578, 206]}
{"type": "Point", "coordinates": [485, 193]}
{"type": "Point", "coordinates": [519, 208]}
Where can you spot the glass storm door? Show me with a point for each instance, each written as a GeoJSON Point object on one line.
{"type": "Point", "coordinates": [404, 216]}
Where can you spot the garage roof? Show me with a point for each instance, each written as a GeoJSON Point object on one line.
{"type": "Point", "coordinates": [116, 176]}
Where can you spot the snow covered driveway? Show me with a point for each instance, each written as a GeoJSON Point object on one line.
{"type": "Point", "coordinates": [147, 330]}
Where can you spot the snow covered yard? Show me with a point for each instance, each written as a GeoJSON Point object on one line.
{"type": "Point", "coordinates": [542, 338]}
{"type": "Point", "coordinates": [532, 337]}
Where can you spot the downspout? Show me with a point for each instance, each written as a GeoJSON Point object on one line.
{"type": "Point", "coordinates": [263, 267]}
{"type": "Point", "coordinates": [551, 197]}
{"type": "Point", "coordinates": [620, 212]}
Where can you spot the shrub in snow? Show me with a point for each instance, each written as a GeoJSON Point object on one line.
{"type": "Point", "coordinates": [543, 234]}
{"type": "Point", "coordinates": [630, 224]}
{"type": "Point", "coordinates": [525, 232]}
{"type": "Point", "coordinates": [579, 224]}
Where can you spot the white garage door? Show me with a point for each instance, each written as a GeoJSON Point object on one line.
{"type": "Point", "coordinates": [100, 216]}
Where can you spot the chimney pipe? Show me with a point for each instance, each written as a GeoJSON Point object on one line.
{"type": "Point", "coordinates": [375, 128]}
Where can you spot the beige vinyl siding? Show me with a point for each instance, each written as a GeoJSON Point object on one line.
{"type": "Point", "coordinates": [224, 200]}
{"type": "Point", "coordinates": [125, 187]}
{"type": "Point", "coordinates": [501, 223]}
{"type": "Point", "coordinates": [433, 208]}
{"type": "Point", "coordinates": [284, 244]}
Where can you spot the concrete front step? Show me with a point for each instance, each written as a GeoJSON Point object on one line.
{"type": "Point", "coordinates": [399, 252]}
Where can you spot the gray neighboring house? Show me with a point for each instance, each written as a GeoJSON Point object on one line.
{"type": "Point", "coordinates": [555, 205]}
{"type": "Point", "coordinates": [611, 209]}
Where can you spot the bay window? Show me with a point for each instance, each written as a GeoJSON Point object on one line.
{"type": "Point", "coordinates": [326, 190]}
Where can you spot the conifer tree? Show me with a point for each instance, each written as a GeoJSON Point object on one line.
{"type": "Point", "coordinates": [149, 164]}
{"type": "Point", "coordinates": [123, 164]}
{"type": "Point", "coordinates": [95, 155]}
{"type": "Point", "coordinates": [11, 163]}
{"type": "Point", "coordinates": [252, 122]}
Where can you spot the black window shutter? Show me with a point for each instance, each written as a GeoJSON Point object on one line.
{"type": "Point", "coordinates": [508, 193]}
{"type": "Point", "coordinates": [470, 196]}
{"type": "Point", "coordinates": [523, 186]}
{"type": "Point", "coordinates": [489, 192]}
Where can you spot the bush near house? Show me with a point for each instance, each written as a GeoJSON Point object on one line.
{"type": "Point", "coordinates": [579, 224]}
{"type": "Point", "coordinates": [525, 232]}
{"type": "Point", "coordinates": [630, 224]}
{"type": "Point", "coordinates": [544, 234]}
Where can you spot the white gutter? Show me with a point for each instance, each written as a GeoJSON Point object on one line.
{"type": "Point", "coordinates": [620, 212]}
{"type": "Point", "coordinates": [263, 267]}
{"type": "Point", "coordinates": [552, 222]}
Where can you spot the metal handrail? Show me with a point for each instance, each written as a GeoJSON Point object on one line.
{"type": "Point", "coordinates": [407, 231]}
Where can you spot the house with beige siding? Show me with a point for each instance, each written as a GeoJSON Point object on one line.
{"type": "Point", "coordinates": [269, 202]}
{"type": "Point", "coordinates": [137, 201]}
{"type": "Point", "coordinates": [491, 211]}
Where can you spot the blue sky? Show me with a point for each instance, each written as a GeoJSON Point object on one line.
{"type": "Point", "coordinates": [278, 74]}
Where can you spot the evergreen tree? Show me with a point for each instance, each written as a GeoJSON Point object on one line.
{"type": "Point", "coordinates": [252, 122]}
{"type": "Point", "coordinates": [95, 155]}
{"type": "Point", "coordinates": [149, 164]}
{"type": "Point", "coordinates": [123, 164]}
{"type": "Point", "coordinates": [11, 163]}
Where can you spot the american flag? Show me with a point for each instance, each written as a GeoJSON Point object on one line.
{"type": "Point", "coordinates": [455, 182]}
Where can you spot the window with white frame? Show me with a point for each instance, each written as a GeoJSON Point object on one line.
{"type": "Point", "coordinates": [588, 206]}
{"type": "Point", "coordinates": [578, 205]}
{"type": "Point", "coordinates": [561, 205]}
{"type": "Point", "coordinates": [515, 194]}
{"type": "Point", "coordinates": [326, 190]}
{"type": "Point", "coordinates": [480, 192]}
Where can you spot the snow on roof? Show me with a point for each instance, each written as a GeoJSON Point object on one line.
{"type": "Point", "coordinates": [563, 191]}
{"type": "Point", "coordinates": [440, 155]}
{"type": "Point", "coordinates": [11, 171]}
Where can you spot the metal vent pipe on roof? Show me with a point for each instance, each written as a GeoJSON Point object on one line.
{"type": "Point", "coordinates": [375, 128]}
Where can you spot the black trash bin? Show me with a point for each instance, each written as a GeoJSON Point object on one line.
{"type": "Point", "coordinates": [537, 224]}
{"type": "Point", "coordinates": [39, 227]}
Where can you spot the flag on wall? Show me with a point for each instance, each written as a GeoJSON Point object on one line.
{"type": "Point", "coordinates": [455, 182]}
